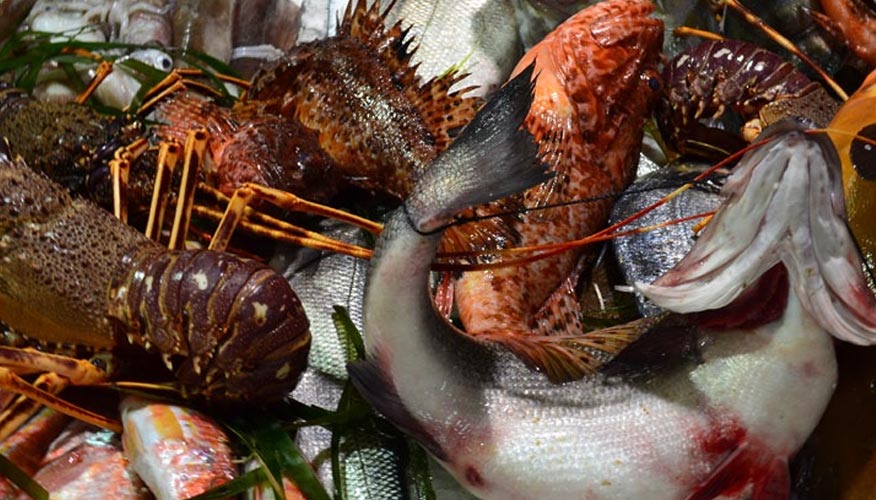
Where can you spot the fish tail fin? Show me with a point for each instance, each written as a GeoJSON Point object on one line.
{"type": "Point", "coordinates": [492, 157]}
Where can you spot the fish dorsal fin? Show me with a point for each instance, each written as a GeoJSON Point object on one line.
{"type": "Point", "coordinates": [442, 111]}
{"type": "Point", "coordinates": [391, 45]}
{"type": "Point", "coordinates": [368, 26]}
{"type": "Point", "coordinates": [553, 133]}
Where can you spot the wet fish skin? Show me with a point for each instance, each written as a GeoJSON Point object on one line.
{"type": "Point", "coordinates": [177, 451]}
{"type": "Point", "coordinates": [595, 86]}
{"type": "Point", "coordinates": [373, 465]}
{"type": "Point", "coordinates": [504, 432]}
{"type": "Point", "coordinates": [647, 256]}
{"type": "Point", "coordinates": [88, 463]}
{"type": "Point", "coordinates": [326, 280]}
{"type": "Point", "coordinates": [785, 205]}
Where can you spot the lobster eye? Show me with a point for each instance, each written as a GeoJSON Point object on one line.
{"type": "Point", "coordinates": [654, 83]}
{"type": "Point", "coordinates": [863, 152]}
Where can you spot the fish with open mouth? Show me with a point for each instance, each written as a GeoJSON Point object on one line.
{"type": "Point", "coordinates": [721, 423]}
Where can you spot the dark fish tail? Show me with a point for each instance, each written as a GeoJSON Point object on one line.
{"type": "Point", "coordinates": [493, 157]}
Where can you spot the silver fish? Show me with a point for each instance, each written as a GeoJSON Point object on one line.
{"type": "Point", "coordinates": [372, 465]}
{"type": "Point", "coordinates": [646, 256]}
{"type": "Point", "coordinates": [724, 423]}
{"type": "Point", "coordinates": [790, 212]}
{"type": "Point", "coordinates": [326, 280]}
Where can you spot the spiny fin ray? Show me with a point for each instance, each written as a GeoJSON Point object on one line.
{"type": "Point", "coordinates": [563, 358]}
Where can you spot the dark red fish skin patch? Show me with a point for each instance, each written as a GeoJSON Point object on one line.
{"type": "Point", "coordinates": [746, 462]}
{"type": "Point", "coordinates": [473, 477]}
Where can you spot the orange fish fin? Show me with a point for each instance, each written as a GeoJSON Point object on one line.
{"type": "Point", "coordinates": [569, 357]}
{"type": "Point", "coordinates": [444, 294]}
{"type": "Point", "coordinates": [443, 111]}
{"type": "Point", "coordinates": [554, 134]}
{"type": "Point", "coordinates": [560, 315]}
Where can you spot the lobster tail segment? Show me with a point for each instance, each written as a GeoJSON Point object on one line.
{"type": "Point", "coordinates": [493, 157]}
{"type": "Point", "coordinates": [229, 328]}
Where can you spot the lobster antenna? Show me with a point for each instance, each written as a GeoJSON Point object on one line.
{"type": "Point", "coordinates": [759, 23]}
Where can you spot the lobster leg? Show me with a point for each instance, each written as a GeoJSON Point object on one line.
{"type": "Point", "coordinates": [15, 361]}
{"type": "Point", "coordinates": [12, 382]}
{"type": "Point", "coordinates": [168, 154]}
{"type": "Point", "coordinates": [22, 408]}
{"type": "Point", "coordinates": [244, 195]}
{"type": "Point", "coordinates": [120, 168]}
{"type": "Point", "coordinates": [23, 361]}
{"type": "Point", "coordinates": [103, 71]}
{"type": "Point", "coordinates": [177, 80]}
{"type": "Point", "coordinates": [193, 158]}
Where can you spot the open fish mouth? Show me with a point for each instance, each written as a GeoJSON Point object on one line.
{"type": "Point", "coordinates": [784, 205]}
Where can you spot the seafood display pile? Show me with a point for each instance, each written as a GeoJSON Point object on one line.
{"type": "Point", "coordinates": [490, 249]}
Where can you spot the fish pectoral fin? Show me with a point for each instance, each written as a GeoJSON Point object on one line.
{"type": "Point", "coordinates": [376, 386]}
{"type": "Point", "coordinates": [746, 465]}
{"type": "Point", "coordinates": [491, 233]}
{"type": "Point", "coordinates": [563, 358]}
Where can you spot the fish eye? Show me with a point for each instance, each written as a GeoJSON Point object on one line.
{"type": "Point", "coordinates": [863, 152]}
{"type": "Point", "coordinates": [654, 83]}
{"type": "Point", "coordinates": [166, 63]}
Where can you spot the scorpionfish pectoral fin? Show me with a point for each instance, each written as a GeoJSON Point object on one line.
{"type": "Point", "coordinates": [567, 357]}
{"type": "Point", "coordinates": [748, 466]}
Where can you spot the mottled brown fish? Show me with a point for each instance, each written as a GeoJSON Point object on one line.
{"type": "Point", "coordinates": [345, 110]}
